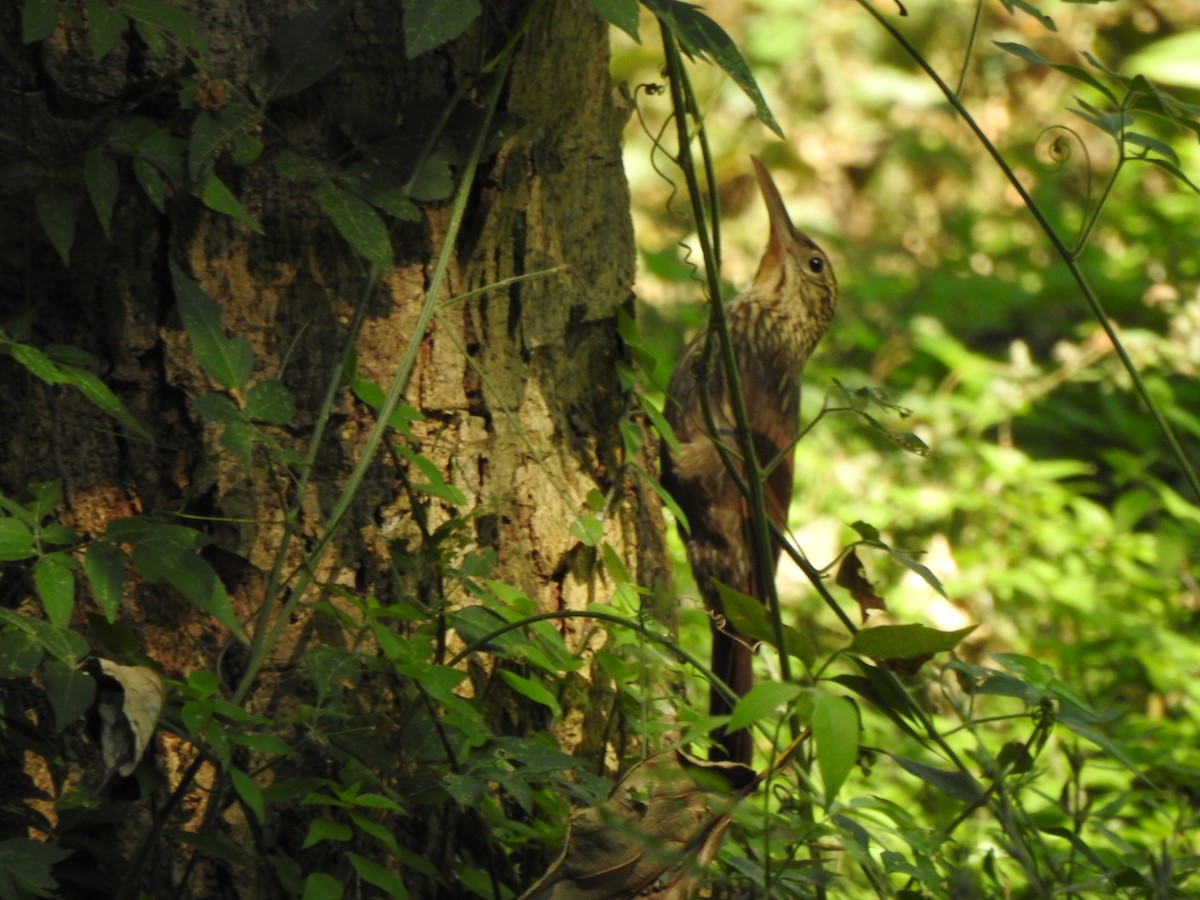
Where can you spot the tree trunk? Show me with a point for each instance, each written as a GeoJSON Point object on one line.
{"type": "Point", "coordinates": [515, 384]}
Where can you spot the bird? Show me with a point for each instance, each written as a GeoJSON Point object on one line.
{"type": "Point", "coordinates": [773, 327]}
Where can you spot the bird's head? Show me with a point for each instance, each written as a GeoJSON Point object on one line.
{"type": "Point", "coordinates": [794, 273]}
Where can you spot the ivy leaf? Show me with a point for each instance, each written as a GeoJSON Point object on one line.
{"type": "Point", "coordinates": [703, 38]}
{"type": "Point", "coordinates": [622, 13]}
{"type": "Point", "coordinates": [56, 213]}
{"type": "Point", "coordinates": [835, 730]}
{"type": "Point", "coordinates": [357, 222]}
{"type": "Point", "coordinates": [305, 49]}
{"type": "Point", "coordinates": [227, 361]}
{"type": "Point", "coordinates": [100, 174]}
{"type": "Point", "coordinates": [69, 690]}
{"type": "Point", "coordinates": [431, 23]}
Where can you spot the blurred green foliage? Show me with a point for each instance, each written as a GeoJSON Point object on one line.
{"type": "Point", "coordinates": [1049, 507]}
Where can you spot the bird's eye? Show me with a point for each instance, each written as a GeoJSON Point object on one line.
{"type": "Point", "coordinates": [816, 265]}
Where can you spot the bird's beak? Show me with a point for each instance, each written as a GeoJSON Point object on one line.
{"type": "Point", "coordinates": [784, 237]}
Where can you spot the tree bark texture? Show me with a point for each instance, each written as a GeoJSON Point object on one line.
{"type": "Point", "coordinates": [516, 384]}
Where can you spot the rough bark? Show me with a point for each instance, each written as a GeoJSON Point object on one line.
{"type": "Point", "coordinates": [517, 385]}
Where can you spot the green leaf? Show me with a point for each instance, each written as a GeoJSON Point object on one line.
{"type": "Point", "coordinates": [218, 408]}
{"type": "Point", "coordinates": [701, 37]}
{"type": "Point", "coordinates": [60, 643]}
{"type": "Point", "coordinates": [589, 530]}
{"type": "Point", "coordinates": [436, 485]}
{"type": "Point", "coordinates": [919, 568]}
{"type": "Point", "coordinates": [152, 183]}
{"type": "Point", "coordinates": [835, 730]}
{"type": "Point", "coordinates": [905, 641]}
{"type": "Point", "coordinates": [526, 687]}
{"type": "Point", "coordinates": [38, 18]}
{"type": "Point", "coordinates": [249, 791]}
{"type": "Point", "coordinates": [326, 830]}
{"type": "Point", "coordinates": [160, 558]}
{"type": "Point", "coordinates": [762, 702]}
{"type": "Point", "coordinates": [396, 203]}
{"type": "Point", "coordinates": [431, 23]}
{"type": "Point", "coordinates": [101, 396]}
{"type": "Point", "coordinates": [319, 886]}
{"type": "Point", "coordinates": [28, 863]}
{"type": "Point", "coordinates": [19, 654]}
{"type": "Point", "coordinates": [357, 222]}
{"type": "Point", "coordinates": [374, 873]}
{"type": "Point", "coordinates": [105, 27]}
{"type": "Point", "coordinates": [215, 194]}
{"type": "Point", "coordinates": [1171, 169]}
{"type": "Point", "coordinates": [167, 18]}
{"type": "Point", "coordinates": [228, 361]}
{"type": "Point", "coordinates": [104, 565]}
{"type": "Point", "coordinates": [660, 423]}
{"type": "Point", "coordinates": [207, 137]}
{"type": "Point", "coordinates": [270, 401]}
{"type": "Point", "coordinates": [54, 577]}
{"type": "Point", "coordinates": [16, 540]}
{"type": "Point", "coordinates": [56, 213]}
{"type": "Point", "coordinates": [330, 668]}
{"type": "Point", "coordinates": [373, 396]}
{"type": "Point", "coordinates": [1113, 123]}
{"type": "Point", "coordinates": [1026, 7]}
{"type": "Point", "coordinates": [954, 784]}
{"type": "Point", "coordinates": [292, 166]}
{"type": "Point", "coordinates": [1151, 144]}
{"type": "Point", "coordinates": [1081, 75]}
{"type": "Point", "coordinates": [305, 49]}
{"type": "Point", "coordinates": [622, 13]}
{"type": "Point", "coordinates": [262, 743]}
{"type": "Point", "coordinates": [100, 174]}
{"type": "Point", "coordinates": [749, 617]}
{"type": "Point", "coordinates": [69, 690]}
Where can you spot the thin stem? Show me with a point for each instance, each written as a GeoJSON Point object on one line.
{"type": "Point", "coordinates": [752, 485]}
{"type": "Point", "coordinates": [1060, 248]}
